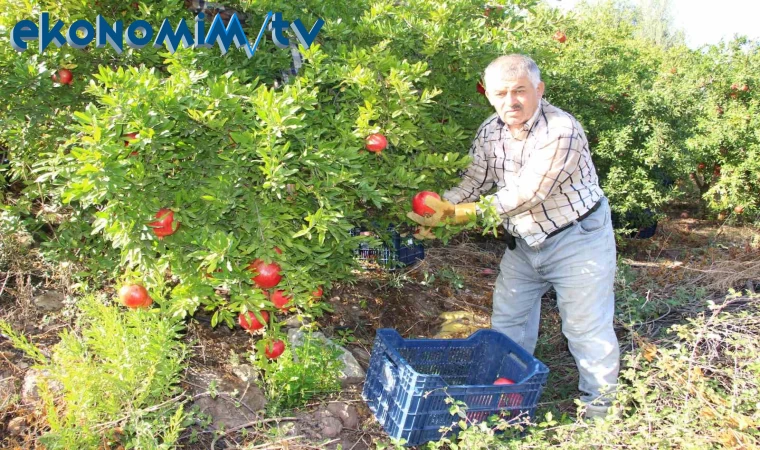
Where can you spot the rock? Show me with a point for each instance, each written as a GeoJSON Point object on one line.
{"type": "Point", "coordinates": [361, 355]}
{"type": "Point", "coordinates": [346, 413]}
{"type": "Point", "coordinates": [8, 390]}
{"type": "Point", "coordinates": [30, 389]}
{"type": "Point", "coordinates": [49, 301]}
{"type": "Point", "coordinates": [245, 372]}
{"type": "Point", "coordinates": [352, 372]}
{"type": "Point", "coordinates": [16, 426]}
{"type": "Point", "coordinates": [229, 408]}
{"type": "Point", "coordinates": [295, 322]}
{"type": "Point", "coordinates": [295, 336]}
{"type": "Point", "coordinates": [329, 425]}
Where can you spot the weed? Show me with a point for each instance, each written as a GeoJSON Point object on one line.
{"type": "Point", "coordinates": [345, 336]}
{"type": "Point", "coordinates": [117, 376]}
{"type": "Point", "coordinates": [300, 373]}
{"type": "Point", "coordinates": [452, 277]}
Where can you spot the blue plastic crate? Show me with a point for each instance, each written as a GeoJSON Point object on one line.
{"type": "Point", "coordinates": [406, 250]}
{"type": "Point", "coordinates": [409, 380]}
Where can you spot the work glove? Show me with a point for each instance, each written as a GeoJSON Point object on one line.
{"type": "Point", "coordinates": [445, 212]}
{"type": "Point", "coordinates": [423, 233]}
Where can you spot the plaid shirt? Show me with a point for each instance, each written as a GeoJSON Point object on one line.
{"type": "Point", "coordinates": [544, 175]}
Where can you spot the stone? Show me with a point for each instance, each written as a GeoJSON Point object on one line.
{"type": "Point", "coordinates": [235, 402]}
{"type": "Point", "coordinates": [245, 372]}
{"type": "Point", "coordinates": [329, 425]}
{"type": "Point", "coordinates": [30, 389]}
{"type": "Point", "coordinates": [294, 321]}
{"type": "Point", "coordinates": [362, 356]}
{"type": "Point", "coordinates": [50, 301]}
{"type": "Point", "coordinates": [346, 413]}
{"type": "Point", "coordinates": [352, 372]}
{"type": "Point", "coordinates": [16, 426]}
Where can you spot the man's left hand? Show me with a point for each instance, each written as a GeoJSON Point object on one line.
{"type": "Point", "coordinates": [423, 233]}
{"type": "Point", "coordinates": [444, 211]}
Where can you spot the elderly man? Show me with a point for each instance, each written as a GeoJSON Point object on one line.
{"type": "Point", "coordinates": [558, 224]}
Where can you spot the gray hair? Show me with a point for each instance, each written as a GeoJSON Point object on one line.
{"type": "Point", "coordinates": [513, 66]}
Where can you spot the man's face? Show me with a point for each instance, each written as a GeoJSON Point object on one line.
{"type": "Point", "coordinates": [515, 99]}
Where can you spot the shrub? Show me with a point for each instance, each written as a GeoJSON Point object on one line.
{"type": "Point", "coordinates": [118, 373]}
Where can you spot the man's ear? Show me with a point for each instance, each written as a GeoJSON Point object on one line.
{"type": "Point", "coordinates": [540, 89]}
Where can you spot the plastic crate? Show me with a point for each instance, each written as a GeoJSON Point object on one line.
{"type": "Point", "coordinates": [643, 232]}
{"type": "Point", "coordinates": [406, 250]}
{"type": "Point", "coordinates": [409, 380]}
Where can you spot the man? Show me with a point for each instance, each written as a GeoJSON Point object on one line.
{"type": "Point", "coordinates": [558, 223]}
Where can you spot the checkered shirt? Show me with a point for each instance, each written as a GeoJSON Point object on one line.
{"type": "Point", "coordinates": [544, 176]}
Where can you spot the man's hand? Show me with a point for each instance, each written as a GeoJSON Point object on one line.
{"type": "Point", "coordinates": [444, 211]}
{"type": "Point", "coordinates": [423, 233]}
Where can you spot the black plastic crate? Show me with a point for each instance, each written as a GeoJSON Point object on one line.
{"type": "Point", "coordinates": [642, 224]}
{"type": "Point", "coordinates": [409, 380]}
{"type": "Point", "coordinates": [406, 250]}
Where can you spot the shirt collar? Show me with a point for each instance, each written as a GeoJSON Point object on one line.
{"type": "Point", "coordinates": [522, 134]}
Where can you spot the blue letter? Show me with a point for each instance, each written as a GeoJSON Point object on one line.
{"type": "Point", "coordinates": [74, 40]}
{"type": "Point", "coordinates": [303, 37]}
{"type": "Point", "coordinates": [139, 42]}
{"type": "Point", "coordinates": [200, 32]}
{"type": "Point", "coordinates": [22, 32]}
{"type": "Point", "coordinates": [47, 36]}
{"type": "Point", "coordinates": [174, 37]}
{"type": "Point", "coordinates": [224, 36]}
{"type": "Point", "coordinates": [278, 26]}
{"type": "Point", "coordinates": [106, 33]}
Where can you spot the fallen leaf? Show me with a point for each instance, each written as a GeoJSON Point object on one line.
{"type": "Point", "coordinates": [649, 351]}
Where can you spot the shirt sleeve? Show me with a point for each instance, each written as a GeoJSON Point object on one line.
{"type": "Point", "coordinates": [477, 179]}
{"type": "Point", "coordinates": [547, 167]}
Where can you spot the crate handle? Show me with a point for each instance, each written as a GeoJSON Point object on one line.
{"type": "Point", "coordinates": [518, 361]}
{"type": "Point", "coordinates": [390, 373]}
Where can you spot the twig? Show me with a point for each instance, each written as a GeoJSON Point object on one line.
{"type": "Point", "coordinates": [322, 445]}
{"type": "Point", "coordinates": [223, 396]}
{"type": "Point", "coordinates": [7, 275]}
{"type": "Point", "coordinates": [268, 444]}
{"type": "Point", "coordinates": [663, 246]}
{"type": "Point", "coordinates": [461, 302]}
{"type": "Point", "coordinates": [105, 425]}
{"type": "Point", "coordinates": [249, 424]}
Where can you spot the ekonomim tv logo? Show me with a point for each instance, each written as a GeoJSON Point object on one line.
{"type": "Point", "coordinates": [114, 35]}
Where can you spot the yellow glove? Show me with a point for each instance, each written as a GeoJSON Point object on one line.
{"type": "Point", "coordinates": [445, 211]}
{"type": "Point", "coordinates": [423, 233]}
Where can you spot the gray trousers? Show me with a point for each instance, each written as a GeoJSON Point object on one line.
{"type": "Point", "coordinates": [579, 263]}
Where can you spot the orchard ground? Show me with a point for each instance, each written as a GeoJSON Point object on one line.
{"type": "Point", "coordinates": [661, 281]}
